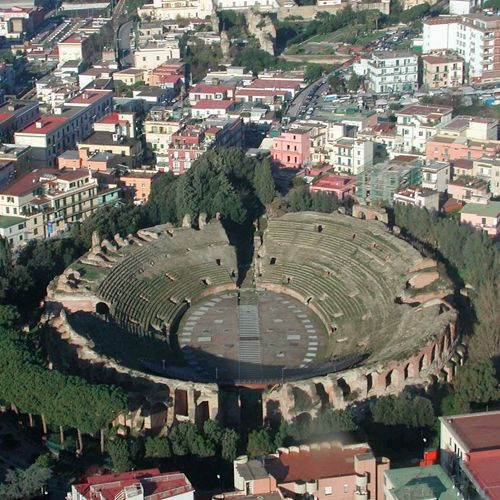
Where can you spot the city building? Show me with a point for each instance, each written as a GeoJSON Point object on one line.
{"type": "Point", "coordinates": [442, 71]}
{"type": "Point", "coordinates": [464, 137]}
{"type": "Point", "coordinates": [81, 158]}
{"type": "Point", "coordinates": [50, 135]}
{"type": "Point", "coordinates": [18, 23]}
{"type": "Point", "coordinates": [483, 216]}
{"type": "Point", "coordinates": [14, 230]}
{"type": "Point", "coordinates": [351, 156]}
{"type": "Point", "coordinates": [417, 123]}
{"type": "Point", "coordinates": [51, 200]}
{"type": "Point", "coordinates": [488, 167]}
{"type": "Point", "coordinates": [380, 182]}
{"type": "Point", "coordinates": [75, 48]}
{"type": "Point", "coordinates": [469, 189]}
{"type": "Point", "coordinates": [419, 482]}
{"type": "Point", "coordinates": [129, 76]}
{"type": "Point", "coordinates": [148, 484]}
{"type": "Point", "coordinates": [15, 115]}
{"type": "Point", "coordinates": [290, 86]}
{"type": "Point", "coordinates": [470, 451]}
{"type": "Point", "coordinates": [122, 124]}
{"type": "Point", "coordinates": [436, 175]}
{"type": "Point", "coordinates": [392, 71]}
{"type": "Point", "coordinates": [176, 9]}
{"type": "Point", "coordinates": [328, 471]}
{"type": "Point", "coordinates": [418, 197]}
{"type": "Point", "coordinates": [291, 149]}
{"type": "Point", "coordinates": [159, 126]}
{"type": "Point", "coordinates": [155, 53]}
{"type": "Point", "coordinates": [202, 91]}
{"type": "Point", "coordinates": [136, 184]}
{"type": "Point", "coordinates": [211, 107]}
{"type": "Point", "coordinates": [473, 37]}
{"type": "Point", "coordinates": [127, 148]}
{"type": "Point", "coordinates": [341, 186]}
{"type": "Point", "coordinates": [19, 156]}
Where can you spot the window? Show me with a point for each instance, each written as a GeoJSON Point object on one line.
{"type": "Point", "coordinates": [346, 488]}
{"type": "Point", "coordinates": [328, 490]}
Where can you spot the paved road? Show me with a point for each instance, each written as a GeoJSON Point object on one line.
{"type": "Point", "coordinates": [123, 38]}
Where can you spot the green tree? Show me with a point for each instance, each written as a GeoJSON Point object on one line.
{"type": "Point", "coordinates": [119, 451]}
{"type": "Point", "coordinates": [353, 83]}
{"type": "Point", "coordinates": [259, 443]}
{"type": "Point", "coordinates": [157, 447]}
{"type": "Point", "coordinates": [264, 182]}
{"type": "Point", "coordinates": [24, 483]}
{"type": "Point", "coordinates": [229, 445]}
{"type": "Point", "coordinates": [254, 60]}
{"type": "Point", "coordinates": [314, 72]}
{"type": "Point", "coordinates": [477, 382]}
{"type": "Point", "coordinates": [335, 83]}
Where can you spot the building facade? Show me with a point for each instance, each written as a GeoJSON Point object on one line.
{"type": "Point", "coordinates": [392, 72]}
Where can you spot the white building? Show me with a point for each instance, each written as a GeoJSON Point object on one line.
{"type": "Point", "coordinates": [13, 229]}
{"type": "Point", "coordinates": [436, 175]}
{"type": "Point", "coordinates": [154, 54]}
{"type": "Point", "coordinates": [175, 9]}
{"type": "Point", "coordinates": [351, 156]}
{"type": "Point", "coordinates": [418, 197]}
{"type": "Point", "coordinates": [474, 38]}
{"type": "Point", "coordinates": [393, 71]}
{"type": "Point", "coordinates": [417, 123]}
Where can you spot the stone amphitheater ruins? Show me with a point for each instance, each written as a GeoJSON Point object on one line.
{"type": "Point", "coordinates": [332, 306]}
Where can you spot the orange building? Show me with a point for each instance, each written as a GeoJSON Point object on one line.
{"type": "Point", "coordinates": [137, 184]}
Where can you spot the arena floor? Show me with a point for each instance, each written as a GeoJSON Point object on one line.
{"type": "Point", "coordinates": [259, 338]}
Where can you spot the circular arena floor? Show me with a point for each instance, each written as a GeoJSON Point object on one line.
{"type": "Point", "coordinates": [258, 338]}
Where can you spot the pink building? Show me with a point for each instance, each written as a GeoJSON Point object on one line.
{"type": "Point", "coordinates": [149, 484]}
{"type": "Point", "coordinates": [450, 148]}
{"type": "Point", "coordinates": [339, 185]}
{"type": "Point", "coordinates": [186, 146]}
{"type": "Point", "coordinates": [469, 189]}
{"type": "Point", "coordinates": [485, 217]}
{"type": "Point", "coordinates": [330, 471]}
{"type": "Point", "coordinates": [291, 149]}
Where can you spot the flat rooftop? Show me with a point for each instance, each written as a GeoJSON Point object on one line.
{"type": "Point", "coordinates": [479, 431]}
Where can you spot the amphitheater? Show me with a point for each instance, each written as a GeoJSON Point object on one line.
{"type": "Point", "coordinates": [333, 310]}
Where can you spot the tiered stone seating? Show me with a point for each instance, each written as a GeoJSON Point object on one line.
{"type": "Point", "coordinates": [149, 285]}
{"type": "Point", "coordinates": [347, 268]}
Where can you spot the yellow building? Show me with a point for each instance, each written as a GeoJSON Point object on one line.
{"type": "Point", "coordinates": [440, 71]}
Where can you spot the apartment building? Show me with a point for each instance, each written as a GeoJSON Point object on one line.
{"type": "Point", "coordinates": [75, 48]}
{"type": "Point", "coordinates": [155, 53]}
{"type": "Point", "coordinates": [392, 71]}
{"type": "Point", "coordinates": [327, 471]}
{"type": "Point", "coordinates": [351, 155]}
{"type": "Point", "coordinates": [436, 175]}
{"type": "Point", "coordinates": [470, 451]}
{"type": "Point", "coordinates": [50, 135]}
{"type": "Point", "coordinates": [417, 123]}
{"type": "Point", "coordinates": [473, 37]}
{"type": "Point", "coordinates": [147, 484]}
{"type": "Point", "coordinates": [17, 22]}
{"type": "Point", "coordinates": [159, 127]}
{"type": "Point", "coordinates": [464, 137]}
{"type": "Point", "coordinates": [129, 76]}
{"type": "Point", "coordinates": [15, 115]}
{"type": "Point", "coordinates": [418, 197]}
{"type": "Point", "coordinates": [202, 91]}
{"type": "Point", "coordinates": [192, 141]}
{"type": "Point", "coordinates": [291, 149]}
{"type": "Point", "coordinates": [488, 168]}
{"type": "Point", "coordinates": [291, 86]}
{"type": "Point", "coordinates": [211, 107]}
{"type": "Point", "coordinates": [137, 184]}
{"type": "Point", "coordinates": [482, 216]}
{"type": "Point", "coordinates": [175, 9]}
{"type": "Point", "coordinates": [442, 71]}
{"type": "Point", "coordinates": [122, 124]}
{"type": "Point", "coordinates": [19, 156]}
{"type": "Point", "coordinates": [469, 190]}
{"type": "Point", "coordinates": [51, 200]}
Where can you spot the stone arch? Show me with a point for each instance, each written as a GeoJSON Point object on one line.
{"type": "Point", "coordinates": [433, 354]}
{"type": "Point", "coordinates": [406, 371]}
{"type": "Point", "coordinates": [422, 362]}
{"type": "Point", "coordinates": [344, 387]}
{"type": "Point", "coordinates": [322, 394]}
{"type": "Point", "coordinates": [389, 379]}
{"type": "Point", "coordinates": [102, 308]}
{"type": "Point", "coordinates": [181, 402]}
{"type": "Point", "coordinates": [202, 413]}
{"type": "Point", "coordinates": [369, 382]}
{"type": "Point", "coordinates": [158, 416]}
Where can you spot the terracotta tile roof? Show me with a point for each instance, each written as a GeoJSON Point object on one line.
{"type": "Point", "coordinates": [442, 20]}
{"type": "Point", "coordinates": [485, 470]}
{"type": "Point", "coordinates": [419, 109]}
{"type": "Point", "coordinates": [260, 92]}
{"type": "Point", "coordinates": [274, 84]}
{"type": "Point", "coordinates": [213, 104]}
{"type": "Point", "coordinates": [204, 88]}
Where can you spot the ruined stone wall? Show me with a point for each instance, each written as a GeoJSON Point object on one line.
{"type": "Point", "coordinates": [438, 360]}
{"type": "Point", "coordinates": [156, 402]}
{"type": "Point", "coordinates": [308, 12]}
